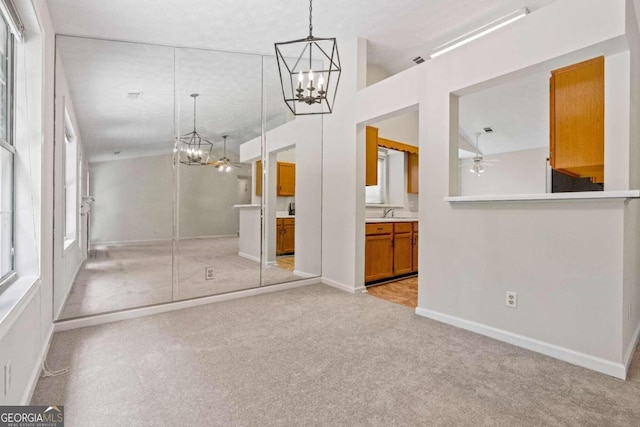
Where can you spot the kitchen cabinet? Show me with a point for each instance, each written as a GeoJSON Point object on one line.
{"type": "Point", "coordinates": [285, 236]}
{"type": "Point", "coordinates": [259, 178]}
{"type": "Point", "coordinates": [286, 179]}
{"type": "Point", "coordinates": [414, 254]}
{"type": "Point", "coordinates": [390, 250]}
{"type": "Point", "coordinates": [402, 248]}
{"type": "Point", "coordinates": [378, 252]}
{"type": "Point", "coordinates": [412, 173]}
{"type": "Point", "coordinates": [371, 173]}
{"type": "Point", "coordinates": [577, 120]}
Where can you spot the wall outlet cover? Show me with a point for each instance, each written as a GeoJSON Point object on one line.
{"type": "Point", "coordinates": [209, 273]}
{"type": "Point", "coordinates": [512, 299]}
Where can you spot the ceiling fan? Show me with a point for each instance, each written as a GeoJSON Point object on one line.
{"type": "Point", "coordinates": [224, 164]}
{"type": "Point", "coordinates": [478, 162]}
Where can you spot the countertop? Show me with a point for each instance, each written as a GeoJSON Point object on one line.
{"type": "Point", "coordinates": [397, 219]}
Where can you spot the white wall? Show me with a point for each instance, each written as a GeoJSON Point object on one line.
{"type": "Point", "coordinates": [133, 199]}
{"type": "Point", "coordinates": [68, 256]}
{"type": "Point", "coordinates": [27, 326]}
{"type": "Point", "coordinates": [563, 258]}
{"type": "Point", "coordinates": [517, 172]}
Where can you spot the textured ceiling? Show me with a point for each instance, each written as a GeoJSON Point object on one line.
{"type": "Point", "coordinates": [517, 111]}
{"type": "Point", "coordinates": [100, 73]}
{"type": "Point", "coordinates": [396, 30]}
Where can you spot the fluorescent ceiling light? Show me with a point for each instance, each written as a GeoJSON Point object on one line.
{"type": "Point", "coordinates": [479, 32]}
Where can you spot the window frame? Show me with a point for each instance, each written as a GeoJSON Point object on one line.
{"type": "Point", "coordinates": [9, 145]}
{"type": "Point", "coordinates": [383, 179]}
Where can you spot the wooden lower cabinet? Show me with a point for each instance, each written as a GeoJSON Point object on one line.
{"type": "Point", "coordinates": [402, 248]}
{"type": "Point", "coordinates": [285, 236]}
{"type": "Point", "coordinates": [389, 250]}
{"type": "Point", "coordinates": [414, 256]}
{"type": "Point", "coordinates": [378, 252]}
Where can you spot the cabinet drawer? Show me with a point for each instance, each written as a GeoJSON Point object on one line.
{"type": "Point", "coordinates": [379, 228]}
{"type": "Point", "coordinates": [402, 227]}
{"type": "Point", "coordinates": [289, 221]}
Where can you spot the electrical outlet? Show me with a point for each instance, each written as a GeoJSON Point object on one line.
{"type": "Point", "coordinates": [209, 273]}
{"type": "Point", "coordinates": [7, 377]}
{"type": "Point", "coordinates": [512, 299]}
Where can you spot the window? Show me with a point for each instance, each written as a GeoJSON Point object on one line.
{"type": "Point", "coordinates": [7, 154]}
{"type": "Point", "coordinates": [377, 194]}
{"type": "Point", "coordinates": [70, 180]}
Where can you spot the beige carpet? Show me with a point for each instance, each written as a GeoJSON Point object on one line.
{"type": "Point", "coordinates": [318, 356]}
{"type": "Point", "coordinates": [117, 277]}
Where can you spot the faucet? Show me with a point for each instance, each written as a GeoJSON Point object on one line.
{"type": "Point", "coordinates": [386, 212]}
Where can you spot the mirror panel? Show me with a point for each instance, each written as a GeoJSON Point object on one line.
{"type": "Point", "coordinates": [211, 186]}
{"type": "Point", "coordinates": [114, 119]}
{"type": "Point", "coordinates": [292, 156]}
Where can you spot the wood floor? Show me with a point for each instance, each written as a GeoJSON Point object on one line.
{"type": "Point", "coordinates": [286, 262]}
{"type": "Point", "coordinates": [404, 292]}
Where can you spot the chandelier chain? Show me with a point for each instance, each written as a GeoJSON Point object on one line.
{"type": "Point", "coordinates": [310, 16]}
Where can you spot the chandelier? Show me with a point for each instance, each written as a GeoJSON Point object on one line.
{"type": "Point", "coordinates": [309, 72]}
{"type": "Point", "coordinates": [194, 149]}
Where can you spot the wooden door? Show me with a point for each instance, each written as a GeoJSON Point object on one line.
{"type": "Point", "coordinates": [288, 236]}
{"type": "Point", "coordinates": [378, 257]}
{"type": "Point", "coordinates": [577, 119]}
{"type": "Point", "coordinates": [258, 178]}
{"type": "Point", "coordinates": [412, 173]}
{"type": "Point", "coordinates": [402, 253]}
{"type": "Point", "coordinates": [286, 179]}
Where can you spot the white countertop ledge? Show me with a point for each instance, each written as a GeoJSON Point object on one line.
{"type": "Point", "coordinates": [583, 195]}
{"type": "Point", "coordinates": [246, 206]}
{"type": "Point", "coordinates": [371, 220]}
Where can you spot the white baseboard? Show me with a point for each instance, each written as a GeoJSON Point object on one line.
{"type": "Point", "coordinates": [628, 355]}
{"type": "Point", "coordinates": [342, 286]}
{"type": "Point", "coordinates": [68, 292]}
{"type": "Point", "coordinates": [249, 257]}
{"type": "Point", "coordinates": [617, 370]}
{"type": "Point", "coordinates": [35, 373]}
{"type": "Point", "coordinates": [100, 319]}
{"type": "Point", "coordinates": [304, 275]}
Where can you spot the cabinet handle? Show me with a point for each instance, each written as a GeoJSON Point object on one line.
{"type": "Point", "coordinates": [380, 228]}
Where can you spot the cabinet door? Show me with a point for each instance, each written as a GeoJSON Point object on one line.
{"type": "Point", "coordinates": [577, 119]}
{"type": "Point", "coordinates": [412, 173]}
{"type": "Point", "coordinates": [415, 251]}
{"type": "Point", "coordinates": [258, 178]}
{"type": "Point", "coordinates": [288, 236]}
{"type": "Point", "coordinates": [378, 257]}
{"type": "Point", "coordinates": [279, 236]}
{"type": "Point", "coordinates": [286, 179]}
{"type": "Point", "coordinates": [402, 254]}
{"type": "Point", "coordinates": [371, 174]}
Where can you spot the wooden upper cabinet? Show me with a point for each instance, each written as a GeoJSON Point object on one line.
{"type": "Point", "coordinates": [259, 178]}
{"type": "Point", "coordinates": [412, 173]}
{"type": "Point", "coordinates": [577, 119]}
{"type": "Point", "coordinates": [286, 179]}
{"type": "Point", "coordinates": [371, 156]}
